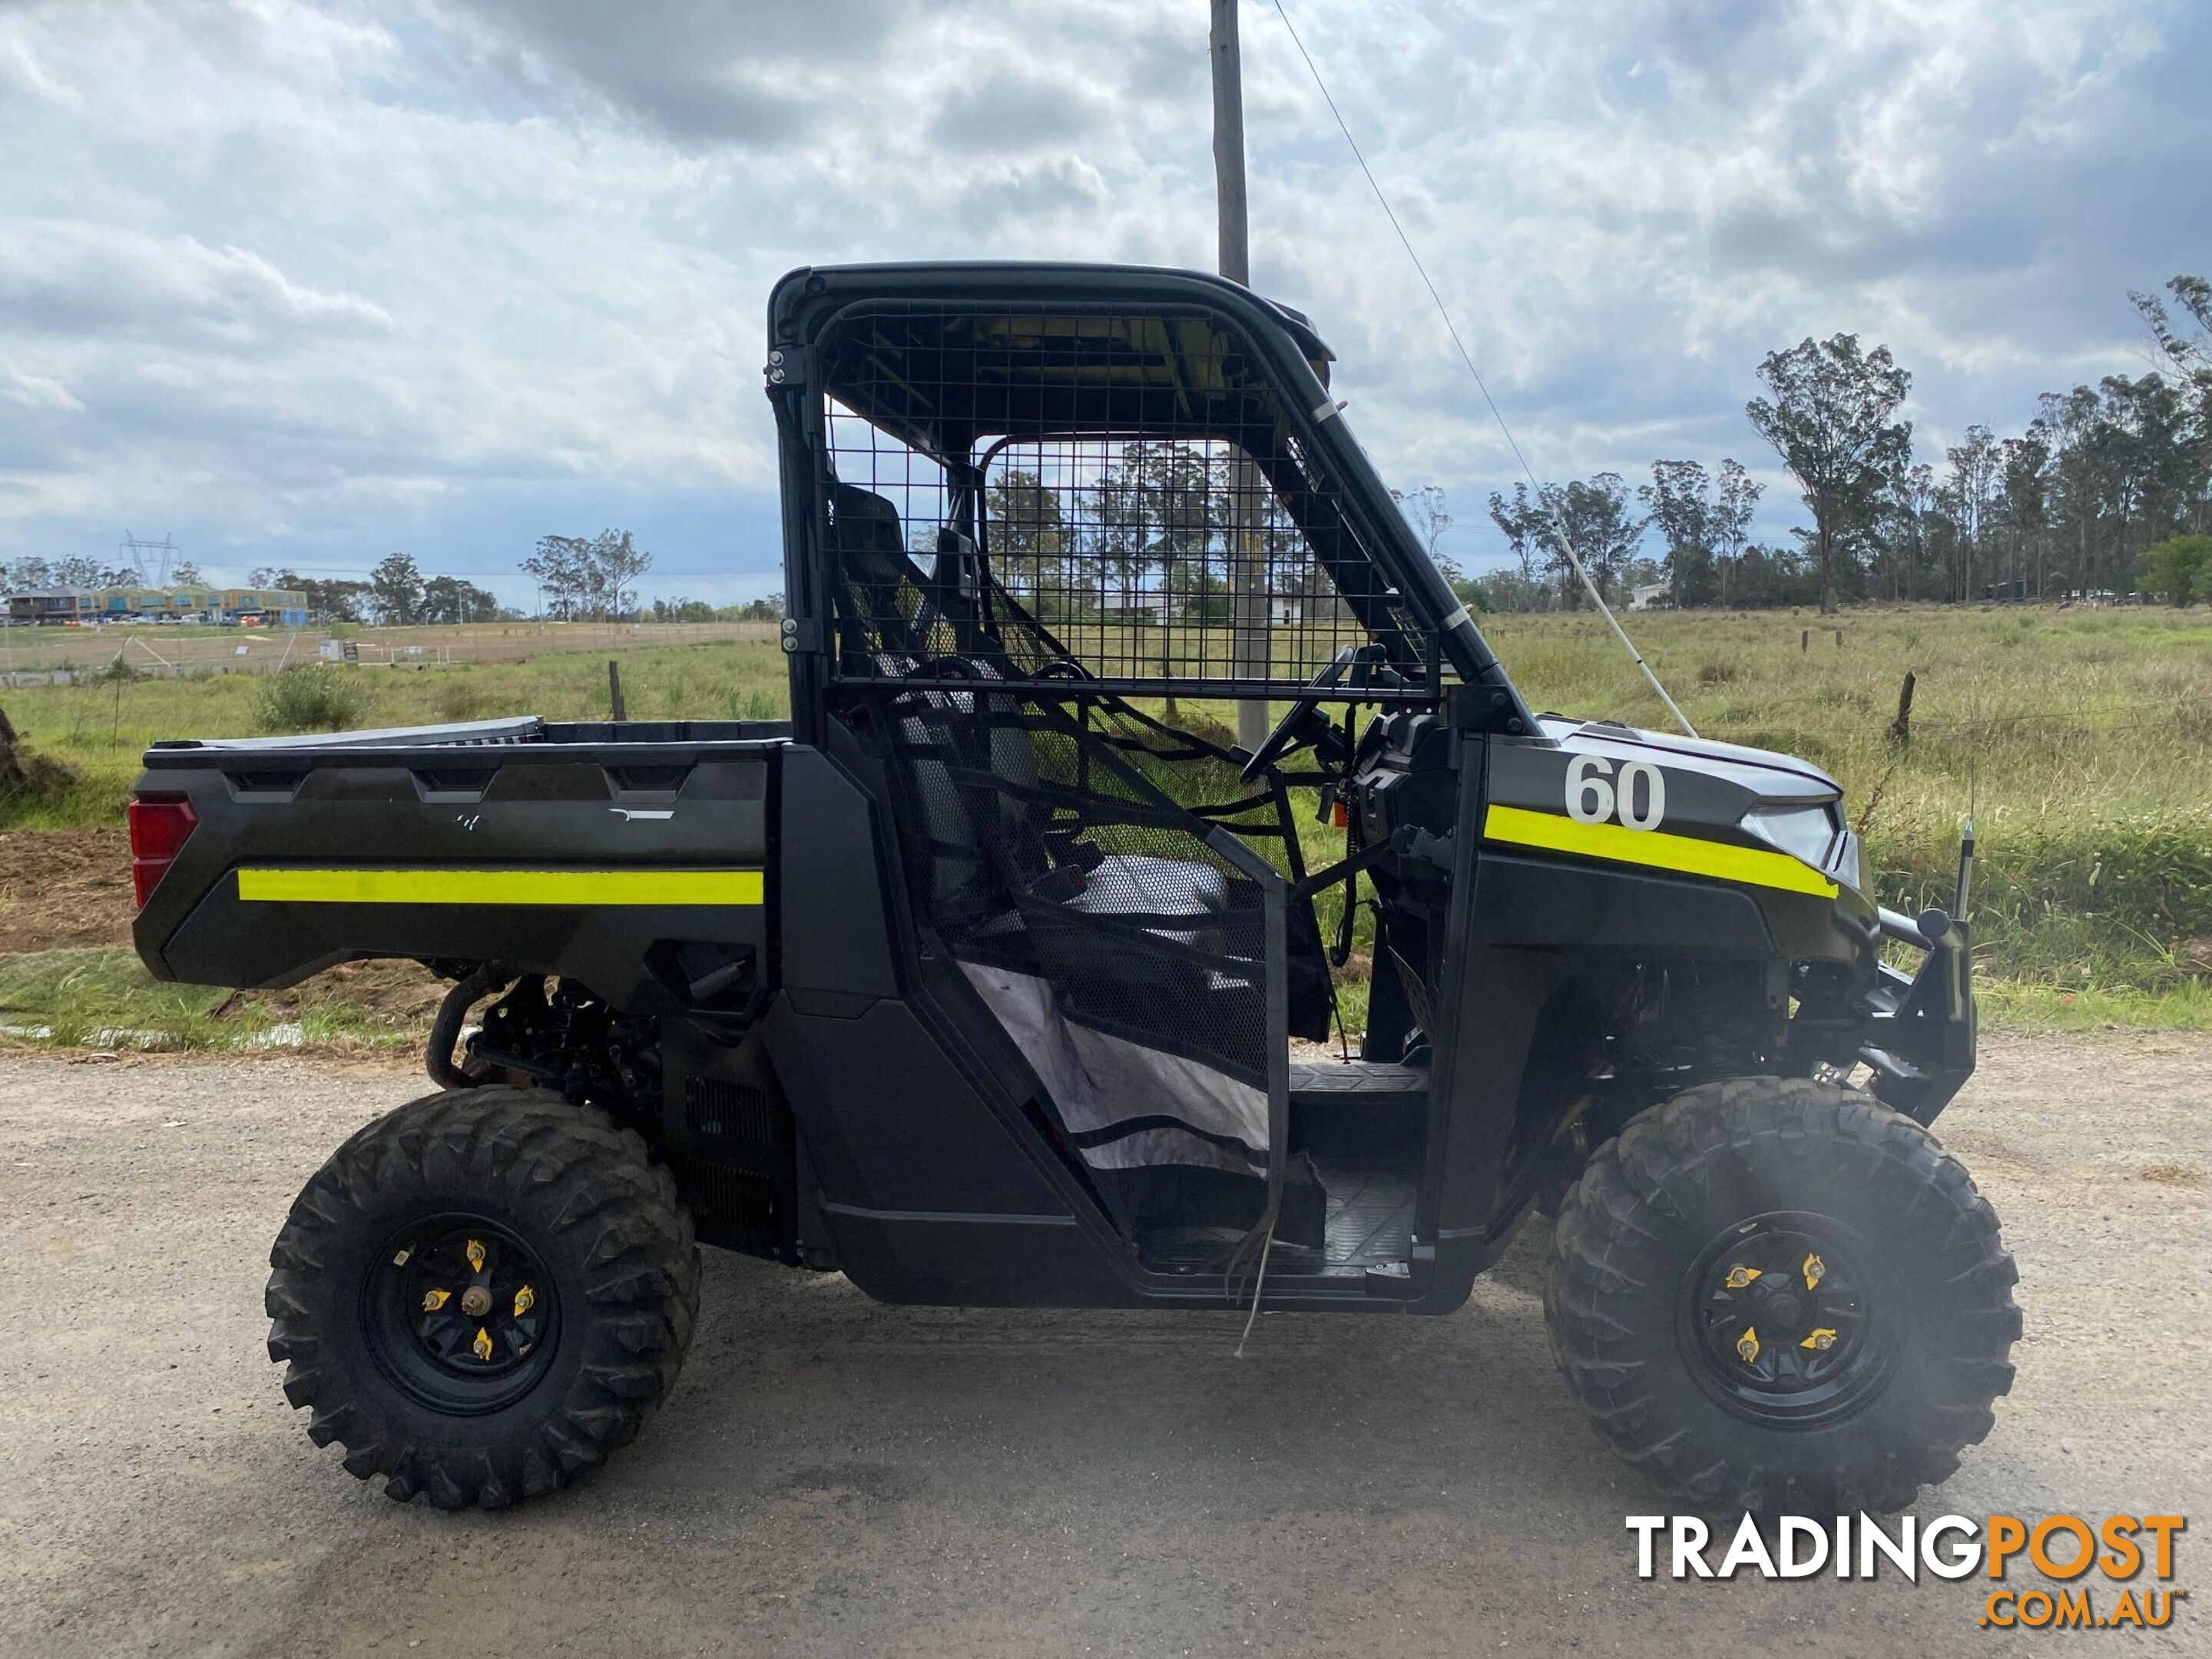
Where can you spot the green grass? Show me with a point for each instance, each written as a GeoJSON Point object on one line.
{"type": "Point", "coordinates": [2022, 1005]}
{"type": "Point", "coordinates": [2080, 739]}
{"type": "Point", "coordinates": [105, 999]}
{"type": "Point", "coordinates": [98, 731]}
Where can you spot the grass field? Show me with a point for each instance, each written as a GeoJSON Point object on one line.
{"type": "Point", "coordinates": [98, 729]}
{"type": "Point", "coordinates": [2082, 740]}
{"type": "Point", "coordinates": [208, 650]}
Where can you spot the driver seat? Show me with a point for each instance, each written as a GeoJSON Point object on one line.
{"type": "Point", "coordinates": [980, 838]}
{"type": "Point", "coordinates": [1116, 884]}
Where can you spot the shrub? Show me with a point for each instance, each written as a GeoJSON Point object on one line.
{"type": "Point", "coordinates": [309, 699]}
{"type": "Point", "coordinates": [2179, 569]}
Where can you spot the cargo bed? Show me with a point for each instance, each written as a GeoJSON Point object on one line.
{"type": "Point", "coordinates": [484, 840]}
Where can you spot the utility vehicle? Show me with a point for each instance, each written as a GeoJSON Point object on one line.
{"type": "Point", "coordinates": [994, 977]}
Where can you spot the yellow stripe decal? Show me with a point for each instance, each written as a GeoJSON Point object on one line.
{"type": "Point", "coordinates": [1620, 845]}
{"type": "Point", "coordinates": [448, 886]}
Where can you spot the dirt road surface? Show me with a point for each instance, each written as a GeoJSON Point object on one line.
{"type": "Point", "coordinates": [833, 1477]}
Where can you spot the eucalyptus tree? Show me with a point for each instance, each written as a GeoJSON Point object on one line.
{"type": "Point", "coordinates": [1679, 501]}
{"type": "Point", "coordinates": [1830, 415]}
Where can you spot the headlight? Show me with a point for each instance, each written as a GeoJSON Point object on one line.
{"type": "Point", "coordinates": [1807, 832]}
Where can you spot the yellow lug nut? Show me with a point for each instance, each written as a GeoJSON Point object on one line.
{"type": "Point", "coordinates": [1820, 1340]}
{"type": "Point", "coordinates": [525, 1300]}
{"type": "Point", "coordinates": [476, 1253]}
{"type": "Point", "coordinates": [434, 1300]}
{"type": "Point", "coordinates": [1747, 1346]}
{"type": "Point", "coordinates": [482, 1345]}
{"type": "Point", "coordinates": [1740, 1277]}
{"type": "Point", "coordinates": [1815, 1270]}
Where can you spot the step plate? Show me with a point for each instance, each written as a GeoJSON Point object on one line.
{"type": "Point", "coordinates": [1368, 1081]}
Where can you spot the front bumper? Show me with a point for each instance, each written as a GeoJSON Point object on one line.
{"type": "Point", "coordinates": [1921, 1037]}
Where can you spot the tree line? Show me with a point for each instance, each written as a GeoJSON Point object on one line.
{"type": "Point", "coordinates": [2106, 491]}
{"type": "Point", "coordinates": [1154, 531]}
{"type": "Point", "coordinates": [396, 595]}
{"type": "Point", "coordinates": [37, 576]}
{"type": "Point", "coordinates": [578, 577]}
{"type": "Point", "coordinates": [2100, 495]}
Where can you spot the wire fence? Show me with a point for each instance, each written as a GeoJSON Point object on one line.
{"type": "Point", "coordinates": [60, 656]}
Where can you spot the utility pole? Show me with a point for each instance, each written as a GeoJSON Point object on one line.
{"type": "Point", "coordinates": [1246, 575]}
{"type": "Point", "coordinates": [1235, 246]}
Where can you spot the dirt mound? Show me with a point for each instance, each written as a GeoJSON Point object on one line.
{"type": "Point", "coordinates": [404, 993]}
{"type": "Point", "coordinates": [64, 887]}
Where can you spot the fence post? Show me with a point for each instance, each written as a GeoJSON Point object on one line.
{"type": "Point", "coordinates": [1900, 729]}
{"type": "Point", "coordinates": [614, 690]}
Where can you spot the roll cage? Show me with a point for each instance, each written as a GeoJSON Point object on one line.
{"type": "Point", "coordinates": [1087, 382]}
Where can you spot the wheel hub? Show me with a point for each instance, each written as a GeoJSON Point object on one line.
{"type": "Point", "coordinates": [461, 1313]}
{"type": "Point", "coordinates": [1790, 1318]}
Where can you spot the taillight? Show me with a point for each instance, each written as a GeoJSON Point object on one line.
{"type": "Point", "coordinates": [160, 826]}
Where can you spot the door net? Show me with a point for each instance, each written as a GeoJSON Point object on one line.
{"type": "Point", "coordinates": [1138, 951]}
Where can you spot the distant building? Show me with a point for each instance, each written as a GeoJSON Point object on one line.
{"type": "Point", "coordinates": [274, 607]}
{"type": "Point", "coordinates": [56, 604]}
{"type": "Point", "coordinates": [1129, 608]}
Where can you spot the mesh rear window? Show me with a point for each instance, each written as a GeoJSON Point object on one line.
{"type": "Point", "coordinates": [1118, 492]}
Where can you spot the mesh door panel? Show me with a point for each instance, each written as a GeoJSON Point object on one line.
{"type": "Point", "coordinates": [1035, 843]}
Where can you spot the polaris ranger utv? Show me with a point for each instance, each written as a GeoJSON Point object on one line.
{"type": "Point", "coordinates": [978, 980]}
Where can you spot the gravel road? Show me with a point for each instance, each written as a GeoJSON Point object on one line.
{"type": "Point", "coordinates": [833, 1477]}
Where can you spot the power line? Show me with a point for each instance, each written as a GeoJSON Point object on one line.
{"type": "Point", "coordinates": [1559, 529]}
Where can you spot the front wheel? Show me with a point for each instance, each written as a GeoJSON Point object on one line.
{"type": "Point", "coordinates": [1781, 1296]}
{"type": "Point", "coordinates": [481, 1294]}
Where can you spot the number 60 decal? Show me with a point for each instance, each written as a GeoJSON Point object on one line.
{"type": "Point", "coordinates": [1593, 796]}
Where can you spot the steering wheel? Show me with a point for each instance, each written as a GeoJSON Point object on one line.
{"type": "Point", "coordinates": [1289, 729]}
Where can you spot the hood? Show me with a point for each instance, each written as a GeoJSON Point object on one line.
{"type": "Point", "coordinates": [1772, 777]}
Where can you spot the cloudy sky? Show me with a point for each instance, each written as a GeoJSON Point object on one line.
{"type": "Point", "coordinates": [309, 284]}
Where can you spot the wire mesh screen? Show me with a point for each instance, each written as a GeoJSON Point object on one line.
{"type": "Point", "coordinates": [1167, 558]}
{"type": "Point", "coordinates": [1121, 493]}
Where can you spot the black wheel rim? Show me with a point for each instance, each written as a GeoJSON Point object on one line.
{"type": "Point", "coordinates": [461, 1314]}
{"type": "Point", "coordinates": [1790, 1318]}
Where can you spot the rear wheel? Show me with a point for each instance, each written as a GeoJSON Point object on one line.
{"type": "Point", "coordinates": [481, 1294]}
{"type": "Point", "coordinates": [1780, 1295]}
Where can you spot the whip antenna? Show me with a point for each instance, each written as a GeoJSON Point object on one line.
{"type": "Point", "coordinates": [1559, 529]}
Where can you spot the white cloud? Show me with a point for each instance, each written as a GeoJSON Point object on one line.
{"type": "Point", "coordinates": [310, 283]}
{"type": "Point", "coordinates": [37, 391]}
